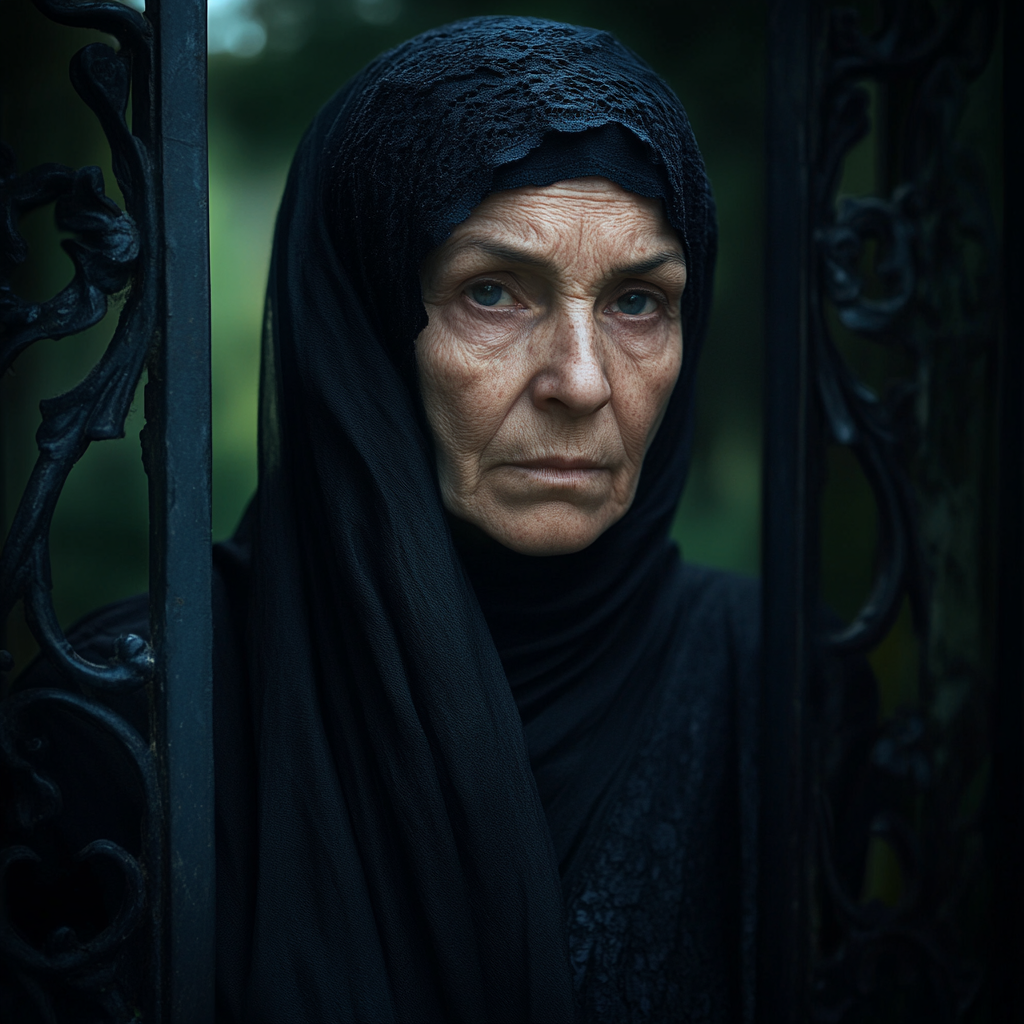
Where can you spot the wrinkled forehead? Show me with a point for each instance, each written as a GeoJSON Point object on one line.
{"type": "Point", "coordinates": [563, 209]}
{"type": "Point", "coordinates": [582, 229]}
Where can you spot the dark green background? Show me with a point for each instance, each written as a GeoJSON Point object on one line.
{"type": "Point", "coordinates": [713, 56]}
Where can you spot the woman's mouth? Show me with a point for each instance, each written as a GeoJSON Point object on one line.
{"type": "Point", "coordinates": [562, 471]}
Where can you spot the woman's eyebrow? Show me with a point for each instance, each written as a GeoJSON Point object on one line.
{"type": "Point", "coordinates": [659, 259]}
{"type": "Point", "coordinates": [504, 252]}
{"type": "Point", "coordinates": [513, 254]}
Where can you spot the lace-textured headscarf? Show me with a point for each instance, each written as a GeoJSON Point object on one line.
{"type": "Point", "coordinates": [414, 738]}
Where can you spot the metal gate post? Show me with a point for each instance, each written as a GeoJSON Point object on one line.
{"type": "Point", "coordinates": [128, 917]}
{"type": "Point", "coordinates": [178, 461]}
{"type": "Point", "coordinates": [786, 541]}
{"type": "Point", "coordinates": [1007, 798]}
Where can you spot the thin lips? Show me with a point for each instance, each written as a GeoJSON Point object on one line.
{"type": "Point", "coordinates": [556, 462]}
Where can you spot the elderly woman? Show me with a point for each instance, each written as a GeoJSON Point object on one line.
{"type": "Point", "coordinates": [483, 742]}
{"type": "Point", "coordinates": [481, 735]}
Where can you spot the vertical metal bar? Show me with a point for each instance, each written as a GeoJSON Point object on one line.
{"type": "Point", "coordinates": [1007, 812]}
{"type": "Point", "coordinates": [785, 576]}
{"type": "Point", "coordinates": [178, 411]}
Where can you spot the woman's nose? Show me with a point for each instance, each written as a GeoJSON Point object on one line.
{"type": "Point", "coordinates": [571, 375]}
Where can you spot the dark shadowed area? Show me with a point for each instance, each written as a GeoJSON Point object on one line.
{"type": "Point", "coordinates": [273, 63]}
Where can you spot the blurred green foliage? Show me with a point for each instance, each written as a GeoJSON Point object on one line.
{"type": "Point", "coordinates": [259, 106]}
{"type": "Point", "coordinates": [273, 63]}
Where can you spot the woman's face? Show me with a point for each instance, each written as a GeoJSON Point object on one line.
{"type": "Point", "coordinates": [553, 344]}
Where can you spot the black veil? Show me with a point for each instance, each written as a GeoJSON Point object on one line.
{"type": "Point", "coordinates": [416, 728]}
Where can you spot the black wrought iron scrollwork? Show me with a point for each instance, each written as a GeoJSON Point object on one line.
{"type": "Point", "coordinates": [112, 250]}
{"type": "Point", "coordinates": [87, 967]}
{"type": "Point", "coordinates": [62, 972]}
{"type": "Point", "coordinates": [915, 778]}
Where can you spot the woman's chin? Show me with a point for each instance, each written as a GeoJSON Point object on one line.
{"type": "Point", "coordinates": [552, 528]}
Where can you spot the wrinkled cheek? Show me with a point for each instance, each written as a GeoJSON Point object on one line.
{"type": "Point", "coordinates": [624, 488]}
{"type": "Point", "coordinates": [640, 428]}
{"type": "Point", "coordinates": [656, 424]}
{"type": "Point", "coordinates": [460, 441]}
{"type": "Point", "coordinates": [667, 389]}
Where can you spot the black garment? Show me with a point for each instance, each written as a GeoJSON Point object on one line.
{"type": "Point", "coordinates": [659, 904]}
{"type": "Point", "coordinates": [397, 862]}
{"type": "Point", "coordinates": [455, 783]}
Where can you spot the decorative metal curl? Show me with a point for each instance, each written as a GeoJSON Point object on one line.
{"type": "Point", "coordinates": [87, 967]}
{"type": "Point", "coordinates": [113, 250]}
{"type": "Point", "coordinates": [114, 254]}
{"type": "Point", "coordinates": [903, 799]}
{"type": "Point", "coordinates": [842, 244]}
{"type": "Point", "coordinates": [855, 415]}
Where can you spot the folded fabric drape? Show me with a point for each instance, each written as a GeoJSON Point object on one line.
{"type": "Point", "coordinates": [421, 733]}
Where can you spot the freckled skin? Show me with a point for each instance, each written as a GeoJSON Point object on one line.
{"type": "Point", "coordinates": [551, 351]}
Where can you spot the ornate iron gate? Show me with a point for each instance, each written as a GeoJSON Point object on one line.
{"type": "Point", "coordinates": [152, 956]}
{"type": "Point", "coordinates": [938, 783]}
{"type": "Point", "coordinates": [935, 784]}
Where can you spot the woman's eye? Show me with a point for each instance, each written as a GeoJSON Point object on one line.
{"type": "Point", "coordinates": [488, 294]}
{"type": "Point", "coordinates": [635, 304]}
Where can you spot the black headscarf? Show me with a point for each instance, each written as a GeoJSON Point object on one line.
{"type": "Point", "coordinates": [432, 722]}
